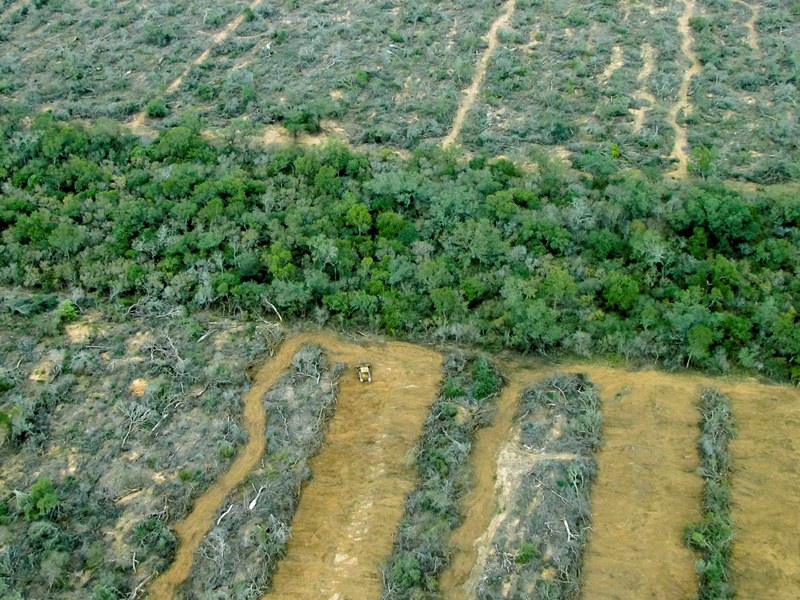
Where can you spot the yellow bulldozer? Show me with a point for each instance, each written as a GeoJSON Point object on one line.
{"type": "Point", "coordinates": [364, 373]}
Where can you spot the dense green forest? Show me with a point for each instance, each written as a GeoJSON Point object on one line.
{"type": "Point", "coordinates": [437, 246]}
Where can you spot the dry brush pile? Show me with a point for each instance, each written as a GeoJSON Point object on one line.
{"type": "Point", "coordinates": [465, 405]}
{"type": "Point", "coordinates": [545, 473]}
{"type": "Point", "coordinates": [713, 536]}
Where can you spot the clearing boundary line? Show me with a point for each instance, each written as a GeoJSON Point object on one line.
{"type": "Point", "coordinates": [681, 139]}
{"type": "Point", "coordinates": [480, 73]}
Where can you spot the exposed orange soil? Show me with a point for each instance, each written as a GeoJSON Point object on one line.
{"type": "Point", "coordinates": [647, 487]}
{"type": "Point", "coordinates": [348, 513]}
{"type": "Point", "coordinates": [480, 73]}
{"type": "Point", "coordinates": [766, 488]}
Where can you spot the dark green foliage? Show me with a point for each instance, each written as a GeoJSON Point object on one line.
{"type": "Point", "coordinates": [40, 502]}
{"type": "Point", "coordinates": [713, 536]}
{"type": "Point", "coordinates": [157, 108]}
{"type": "Point", "coordinates": [470, 251]}
{"type": "Point", "coordinates": [421, 550]}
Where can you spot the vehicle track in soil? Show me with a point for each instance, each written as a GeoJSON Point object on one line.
{"type": "Point", "coordinates": [471, 94]}
{"type": "Point", "coordinates": [348, 513]}
{"type": "Point", "coordinates": [682, 105]}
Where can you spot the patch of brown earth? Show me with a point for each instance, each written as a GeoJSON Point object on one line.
{"type": "Point", "coordinates": [766, 487]}
{"type": "Point", "coordinates": [647, 487]}
{"type": "Point", "coordinates": [349, 512]}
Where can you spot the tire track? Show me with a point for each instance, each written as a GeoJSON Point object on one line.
{"type": "Point", "coordinates": [648, 58]}
{"type": "Point", "coordinates": [480, 73]}
{"type": "Point", "coordinates": [682, 105]}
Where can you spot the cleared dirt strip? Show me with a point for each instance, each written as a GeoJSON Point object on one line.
{"type": "Point", "coordinates": [348, 513]}
{"type": "Point", "coordinates": [766, 487]}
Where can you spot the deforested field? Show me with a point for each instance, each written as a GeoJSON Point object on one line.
{"type": "Point", "coordinates": [563, 236]}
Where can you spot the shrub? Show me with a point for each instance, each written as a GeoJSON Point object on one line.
{"type": "Point", "coordinates": [157, 108]}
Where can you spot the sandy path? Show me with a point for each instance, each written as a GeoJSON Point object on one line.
{"type": "Point", "coordinates": [766, 487]}
{"type": "Point", "coordinates": [480, 73]}
{"type": "Point", "coordinates": [617, 60]}
{"type": "Point", "coordinates": [752, 34]}
{"type": "Point", "coordinates": [348, 514]}
{"type": "Point", "coordinates": [681, 140]}
{"type": "Point", "coordinates": [648, 58]}
{"type": "Point", "coordinates": [217, 38]}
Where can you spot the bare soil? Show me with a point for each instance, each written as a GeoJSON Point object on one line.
{"type": "Point", "coordinates": [681, 140]}
{"type": "Point", "coordinates": [348, 514]}
{"type": "Point", "coordinates": [647, 487]}
{"type": "Point", "coordinates": [480, 73]}
{"type": "Point", "coordinates": [766, 462]}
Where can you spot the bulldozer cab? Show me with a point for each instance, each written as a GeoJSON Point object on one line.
{"type": "Point", "coordinates": [364, 373]}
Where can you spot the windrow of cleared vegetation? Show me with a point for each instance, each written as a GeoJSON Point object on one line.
{"type": "Point", "coordinates": [238, 556]}
{"type": "Point", "coordinates": [465, 405]}
{"type": "Point", "coordinates": [713, 536]}
{"type": "Point", "coordinates": [546, 474]}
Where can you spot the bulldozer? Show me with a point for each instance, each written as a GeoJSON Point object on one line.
{"type": "Point", "coordinates": [364, 373]}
